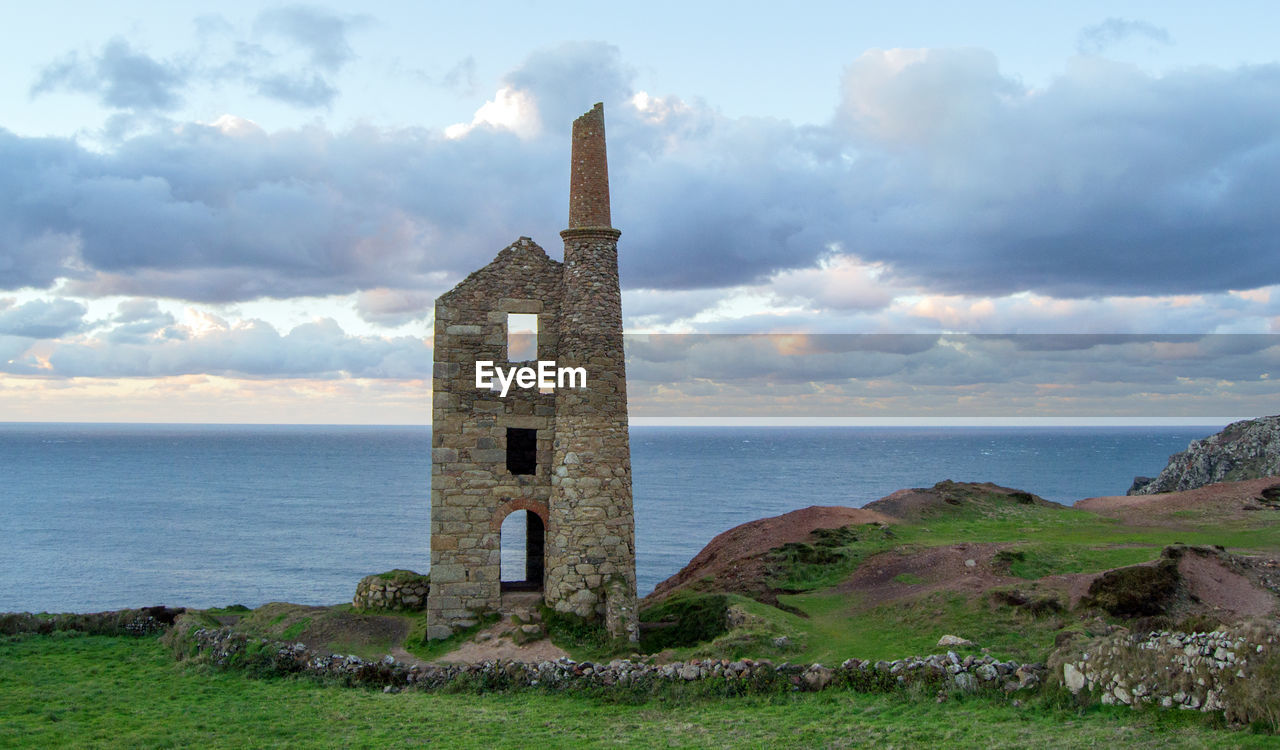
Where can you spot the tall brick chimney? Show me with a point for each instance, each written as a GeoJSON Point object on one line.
{"type": "Point", "coordinates": [589, 172]}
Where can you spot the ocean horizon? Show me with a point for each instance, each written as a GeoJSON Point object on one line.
{"type": "Point", "coordinates": [108, 515]}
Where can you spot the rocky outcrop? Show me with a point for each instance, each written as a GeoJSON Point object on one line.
{"type": "Point", "coordinates": [1244, 450]}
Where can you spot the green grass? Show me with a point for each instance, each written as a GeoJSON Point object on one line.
{"type": "Point", "coordinates": [834, 554]}
{"type": "Point", "coordinates": [1042, 541]}
{"type": "Point", "coordinates": [417, 644]}
{"type": "Point", "coordinates": [1071, 527]}
{"type": "Point", "coordinates": [1055, 558]}
{"type": "Point", "coordinates": [119, 692]}
{"type": "Point", "coordinates": [837, 627]}
{"type": "Point", "coordinates": [400, 575]}
{"type": "Point", "coordinates": [295, 630]}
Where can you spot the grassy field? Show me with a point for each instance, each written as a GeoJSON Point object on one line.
{"type": "Point", "coordinates": [1042, 542]}
{"type": "Point", "coordinates": [97, 691]}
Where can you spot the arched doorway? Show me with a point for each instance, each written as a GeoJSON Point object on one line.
{"type": "Point", "coordinates": [523, 542]}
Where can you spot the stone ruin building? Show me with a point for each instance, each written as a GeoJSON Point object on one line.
{"type": "Point", "coordinates": [560, 455]}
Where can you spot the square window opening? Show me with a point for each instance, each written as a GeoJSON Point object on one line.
{"type": "Point", "coordinates": [522, 450]}
{"type": "Point", "coordinates": [522, 337]}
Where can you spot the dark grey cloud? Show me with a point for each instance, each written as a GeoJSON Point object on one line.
{"type": "Point", "coordinates": [1103, 36]}
{"type": "Point", "coordinates": [1108, 181]}
{"type": "Point", "coordinates": [138, 321]}
{"type": "Point", "coordinates": [950, 174]}
{"type": "Point", "coordinates": [566, 80]}
{"type": "Point", "coordinates": [41, 319]}
{"type": "Point", "coordinates": [119, 76]}
{"type": "Point", "coordinates": [251, 349]}
{"type": "Point", "coordinates": [951, 375]}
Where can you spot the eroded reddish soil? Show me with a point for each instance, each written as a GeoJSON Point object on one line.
{"type": "Point", "coordinates": [1179, 510]}
{"type": "Point", "coordinates": [733, 561]}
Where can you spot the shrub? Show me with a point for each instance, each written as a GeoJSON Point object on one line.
{"type": "Point", "coordinates": [1136, 591]}
{"type": "Point", "coordinates": [685, 619]}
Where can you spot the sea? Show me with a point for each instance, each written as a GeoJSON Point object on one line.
{"type": "Point", "coordinates": [104, 516]}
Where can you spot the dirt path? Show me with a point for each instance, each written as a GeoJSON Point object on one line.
{"type": "Point", "coordinates": [472, 652]}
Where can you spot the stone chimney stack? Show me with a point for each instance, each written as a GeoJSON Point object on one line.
{"type": "Point", "coordinates": [589, 173]}
{"type": "Point", "coordinates": [591, 569]}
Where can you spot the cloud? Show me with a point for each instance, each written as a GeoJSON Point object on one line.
{"type": "Point", "coordinates": [1108, 181]}
{"type": "Point", "coordinates": [840, 282]}
{"type": "Point", "coordinates": [119, 76]}
{"type": "Point", "coordinates": [938, 173]}
{"type": "Point", "coordinates": [42, 319]}
{"type": "Point", "coordinates": [323, 38]}
{"type": "Point", "coordinates": [394, 307]}
{"type": "Point", "coordinates": [461, 78]}
{"type": "Point", "coordinates": [566, 80]}
{"type": "Point", "coordinates": [948, 376]}
{"type": "Point", "coordinates": [1101, 37]}
{"type": "Point", "coordinates": [153, 346]}
{"type": "Point", "coordinates": [138, 321]}
{"type": "Point", "coordinates": [264, 59]}
{"type": "Point", "coordinates": [321, 33]}
{"type": "Point", "coordinates": [297, 89]}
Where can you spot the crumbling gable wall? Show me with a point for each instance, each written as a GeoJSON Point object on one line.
{"type": "Point", "coordinates": [471, 488]}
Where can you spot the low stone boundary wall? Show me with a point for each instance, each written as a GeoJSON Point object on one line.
{"type": "Point", "coordinates": [1215, 671]}
{"type": "Point", "coordinates": [143, 621]}
{"type": "Point", "coordinates": [394, 590]}
{"type": "Point", "coordinates": [229, 649]}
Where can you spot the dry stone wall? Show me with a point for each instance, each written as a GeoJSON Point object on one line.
{"type": "Point", "coordinates": [395, 590]}
{"type": "Point", "coordinates": [225, 648]}
{"type": "Point", "coordinates": [1194, 671]}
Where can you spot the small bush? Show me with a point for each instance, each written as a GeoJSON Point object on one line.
{"type": "Point", "coordinates": [571, 631]}
{"type": "Point", "coordinates": [1037, 604]}
{"type": "Point", "coordinates": [1136, 591]}
{"type": "Point", "coordinates": [685, 620]}
{"type": "Point", "coordinates": [1003, 560]}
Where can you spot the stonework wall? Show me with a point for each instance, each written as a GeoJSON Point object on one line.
{"type": "Point", "coordinates": [592, 519]}
{"type": "Point", "coordinates": [471, 489]}
{"type": "Point", "coordinates": [581, 488]}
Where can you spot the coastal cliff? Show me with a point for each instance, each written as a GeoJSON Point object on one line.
{"type": "Point", "coordinates": [1243, 450]}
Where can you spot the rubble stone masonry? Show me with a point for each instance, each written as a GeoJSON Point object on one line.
{"type": "Point", "coordinates": [581, 486]}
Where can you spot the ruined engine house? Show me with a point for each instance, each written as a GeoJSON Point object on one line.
{"type": "Point", "coordinates": [560, 455]}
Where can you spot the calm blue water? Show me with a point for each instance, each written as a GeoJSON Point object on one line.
{"type": "Point", "coordinates": [106, 516]}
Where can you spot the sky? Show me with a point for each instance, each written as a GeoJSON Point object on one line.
{"type": "Point", "coordinates": [926, 211]}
